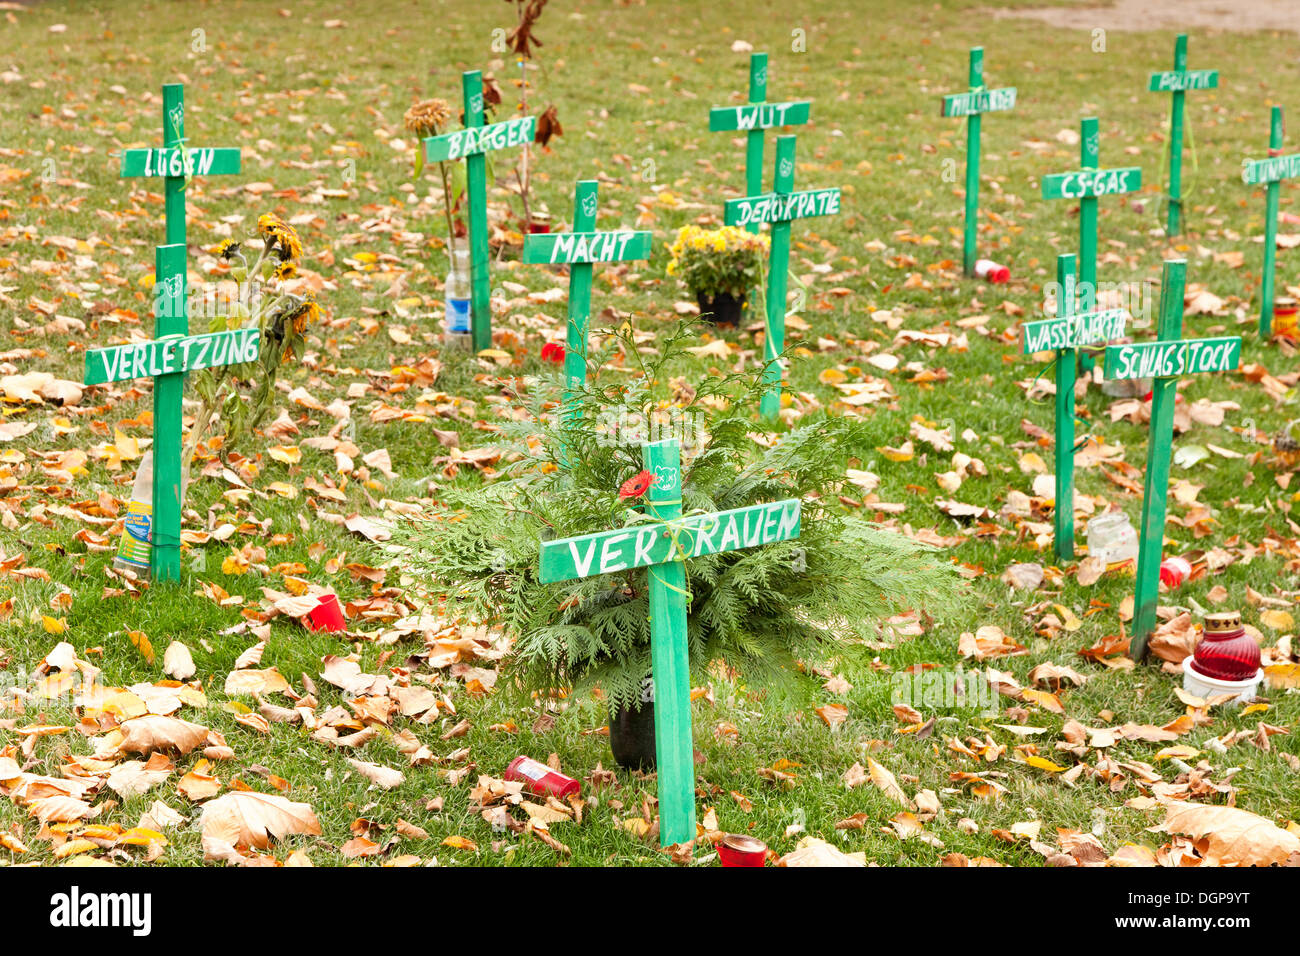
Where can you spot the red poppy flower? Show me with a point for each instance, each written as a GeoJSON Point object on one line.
{"type": "Point", "coordinates": [553, 352]}
{"type": "Point", "coordinates": [637, 485]}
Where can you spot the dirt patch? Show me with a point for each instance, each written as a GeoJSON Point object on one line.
{"type": "Point", "coordinates": [1241, 16]}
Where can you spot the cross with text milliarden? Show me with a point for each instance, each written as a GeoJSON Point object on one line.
{"type": "Point", "coordinates": [970, 105]}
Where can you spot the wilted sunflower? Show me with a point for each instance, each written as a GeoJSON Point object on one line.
{"type": "Point", "coordinates": [427, 117]}
{"type": "Point", "coordinates": [228, 249]}
{"type": "Point", "coordinates": [303, 314]}
{"type": "Point", "coordinates": [286, 270]}
{"type": "Point", "coordinates": [279, 236]}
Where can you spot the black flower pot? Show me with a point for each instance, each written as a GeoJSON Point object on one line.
{"type": "Point", "coordinates": [721, 309]}
{"type": "Point", "coordinates": [632, 736]}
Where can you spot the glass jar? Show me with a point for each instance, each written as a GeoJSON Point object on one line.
{"type": "Point", "coordinates": [1112, 538]}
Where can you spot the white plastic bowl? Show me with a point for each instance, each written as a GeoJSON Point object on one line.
{"type": "Point", "coordinates": [1194, 682]}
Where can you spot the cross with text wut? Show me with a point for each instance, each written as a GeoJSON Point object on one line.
{"type": "Point", "coordinates": [970, 105]}
{"type": "Point", "coordinates": [663, 546]}
{"type": "Point", "coordinates": [1065, 334]}
{"type": "Point", "coordinates": [579, 249]}
{"type": "Point", "coordinates": [755, 119]}
{"type": "Point", "coordinates": [175, 162]}
{"type": "Point", "coordinates": [1270, 171]}
{"type": "Point", "coordinates": [1178, 81]}
{"type": "Point", "coordinates": [779, 208]}
{"type": "Point", "coordinates": [471, 144]}
{"type": "Point", "coordinates": [1164, 360]}
{"type": "Point", "coordinates": [171, 353]}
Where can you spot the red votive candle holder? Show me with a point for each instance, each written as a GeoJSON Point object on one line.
{"type": "Point", "coordinates": [737, 849]}
{"type": "Point", "coordinates": [1226, 651]}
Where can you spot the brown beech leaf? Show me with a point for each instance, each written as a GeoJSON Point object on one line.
{"type": "Point", "coordinates": [1233, 837]}
{"type": "Point", "coordinates": [247, 818]}
{"type": "Point", "coordinates": [144, 735]}
{"type": "Point", "coordinates": [385, 778]}
{"type": "Point", "coordinates": [882, 778]}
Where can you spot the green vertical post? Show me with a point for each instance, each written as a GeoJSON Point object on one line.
{"type": "Point", "coordinates": [754, 137]}
{"type": "Point", "coordinates": [575, 352]}
{"type": "Point", "coordinates": [1089, 158]}
{"type": "Point", "coordinates": [1270, 231]}
{"type": "Point", "coordinates": [476, 189]}
{"type": "Point", "coordinates": [754, 150]}
{"type": "Point", "coordinates": [1176, 142]}
{"type": "Point", "coordinates": [1063, 513]}
{"type": "Point", "coordinates": [1159, 451]}
{"type": "Point", "coordinates": [778, 270]}
{"type": "Point", "coordinates": [174, 138]}
{"type": "Point", "coordinates": [970, 243]}
{"type": "Point", "coordinates": [170, 318]}
{"type": "Point", "coordinates": [669, 657]}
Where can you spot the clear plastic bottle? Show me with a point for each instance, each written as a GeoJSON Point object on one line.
{"type": "Point", "coordinates": [1112, 537]}
{"type": "Point", "coordinates": [133, 548]}
{"type": "Point", "coordinates": [457, 298]}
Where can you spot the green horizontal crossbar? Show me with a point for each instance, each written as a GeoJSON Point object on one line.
{"type": "Point", "coordinates": [1166, 359]}
{"type": "Point", "coordinates": [981, 101]}
{"type": "Point", "coordinates": [642, 545]}
{"type": "Point", "coordinates": [480, 139]}
{"type": "Point", "coordinates": [782, 207]}
{"type": "Point", "coordinates": [172, 354]}
{"type": "Point", "coordinates": [181, 161]}
{"type": "Point", "coordinates": [1092, 182]}
{"type": "Point", "coordinates": [613, 246]}
{"type": "Point", "coordinates": [759, 116]}
{"type": "Point", "coordinates": [1074, 331]}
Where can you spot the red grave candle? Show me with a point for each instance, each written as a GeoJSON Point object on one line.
{"type": "Point", "coordinates": [1226, 651]}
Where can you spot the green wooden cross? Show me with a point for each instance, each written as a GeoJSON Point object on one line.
{"type": "Point", "coordinates": [755, 118]}
{"type": "Point", "coordinates": [175, 162]}
{"type": "Point", "coordinates": [1164, 360]}
{"type": "Point", "coordinates": [1065, 334]}
{"type": "Point", "coordinates": [663, 546]}
{"type": "Point", "coordinates": [779, 208]}
{"type": "Point", "coordinates": [580, 248]}
{"type": "Point", "coordinates": [1178, 81]}
{"type": "Point", "coordinates": [472, 144]}
{"type": "Point", "coordinates": [1086, 185]}
{"type": "Point", "coordinates": [970, 105]}
{"type": "Point", "coordinates": [1271, 171]}
{"type": "Point", "coordinates": [171, 353]}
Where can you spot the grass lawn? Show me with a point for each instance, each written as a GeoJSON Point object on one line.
{"type": "Point", "coordinates": [316, 105]}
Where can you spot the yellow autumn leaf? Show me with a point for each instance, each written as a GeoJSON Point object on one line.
{"type": "Point", "coordinates": [54, 625]}
{"type": "Point", "coordinates": [1068, 617]}
{"type": "Point", "coordinates": [1277, 620]}
{"type": "Point", "coordinates": [73, 847]}
{"type": "Point", "coordinates": [286, 454]}
{"type": "Point", "coordinates": [141, 642]}
{"type": "Point", "coordinates": [283, 489]}
{"type": "Point", "coordinates": [831, 376]}
{"type": "Point", "coordinates": [460, 843]}
{"type": "Point", "coordinates": [1042, 763]}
